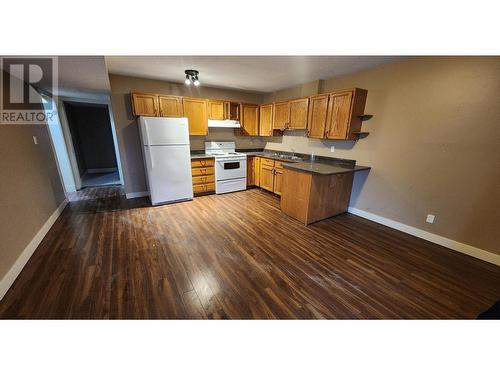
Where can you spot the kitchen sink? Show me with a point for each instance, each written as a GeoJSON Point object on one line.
{"type": "Point", "coordinates": [286, 156]}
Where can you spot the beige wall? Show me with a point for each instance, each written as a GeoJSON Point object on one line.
{"type": "Point", "coordinates": [127, 130]}
{"type": "Point", "coordinates": [30, 188]}
{"type": "Point", "coordinates": [434, 145]}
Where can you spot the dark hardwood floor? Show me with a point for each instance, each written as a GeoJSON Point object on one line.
{"type": "Point", "coordinates": [238, 256]}
{"type": "Point", "coordinates": [96, 192]}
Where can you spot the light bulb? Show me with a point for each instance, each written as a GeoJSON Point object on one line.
{"type": "Point", "coordinates": [196, 83]}
{"type": "Point", "coordinates": [187, 81]}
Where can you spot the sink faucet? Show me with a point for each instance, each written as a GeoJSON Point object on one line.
{"type": "Point", "coordinates": [293, 152]}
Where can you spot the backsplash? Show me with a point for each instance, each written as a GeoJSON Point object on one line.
{"type": "Point", "coordinates": [221, 134]}
{"type": "Point", "coordinates": [297, 141]}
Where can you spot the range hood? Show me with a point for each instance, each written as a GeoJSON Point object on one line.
{"type": "Point", "coordinates": [223, 124]}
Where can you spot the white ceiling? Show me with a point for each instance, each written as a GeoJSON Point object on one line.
{"type": "Point", "coordinates": [252, 73]}
{"type": "Point", "coordinates": [80, 75]}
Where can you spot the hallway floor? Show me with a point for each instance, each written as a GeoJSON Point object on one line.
{"type": "Point", "coordinates": [100, 179]}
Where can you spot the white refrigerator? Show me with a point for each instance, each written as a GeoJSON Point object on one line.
{"type": "Point", "coordinates": [167, 158]}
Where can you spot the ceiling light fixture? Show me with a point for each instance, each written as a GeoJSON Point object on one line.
{"type": "Point", "coordinates": [192, 76]}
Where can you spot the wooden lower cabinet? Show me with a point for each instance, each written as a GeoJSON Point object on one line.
{"type": "Point", "coordinates": [271, 175]}
{"type": "Point", "coordinates": [278, 180]}
{"type": "Point", "coordinates": [266, 177]}
{"type": "Point", "coordinates": [253, 171]}
{"type": "Point", "coordinates": [203, 174]}
{"type": "Point", "coordinates": [310, 197]}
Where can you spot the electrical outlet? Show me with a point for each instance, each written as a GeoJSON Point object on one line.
{"type": "Point", "coordinates": [332, 149]}
{"type": "Point", "coordinates": [35, 140]}
{"type": "Point", "coordinates": [430, 218]}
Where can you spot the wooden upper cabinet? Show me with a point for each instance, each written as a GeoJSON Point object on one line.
{"type": "Point", "coordinates": [339, 111]}
{"type": "Point", "coordinates": [196, 112]}
{"type": "Point", "coordinates": [249, 119]}
{"type": "Point", "coordinates": [266, 120]}
{"type": "Point", "coordinates": [281, 115]}
{"type": "Point", "coordinates": [144, 104]}
{"type": "Point", "coordinates": [318, 111]}
{"type": "Point", "coordinates": [344, 109]}
{"type": "Point", "coordinates": [170, 106]}
{"type": "Point", "coordinates": [298, 113]}
{"type": "Point", "coordinates": [216, 110]}
{"type": "Point", "coordinates": [234, 111]}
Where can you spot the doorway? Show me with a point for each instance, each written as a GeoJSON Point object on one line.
{"type": "Point", "coordinates": [92, 139]}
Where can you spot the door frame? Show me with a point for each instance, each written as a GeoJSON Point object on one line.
{"type": "Point", "coordinates": [67, 133]}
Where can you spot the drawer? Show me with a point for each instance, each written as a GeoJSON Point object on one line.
{"type": "Point", "coordinates": [200, 163]}
{"type": "Point", "coordinates": [204, 188]}
{"type": "Point", "coordinates": [203, 179]}
{"type": "Point", "coordinates": [202, 171]}
{"type": "Point", "coordinates": [278, 164]}
{"type": "Point", "coordinates": [265, 161]}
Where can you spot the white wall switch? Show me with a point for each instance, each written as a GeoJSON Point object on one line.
{"type": "Point", "coordinates": [430, 218]}
{"type": "Point", "coordinates": [35, 140]}
{"type": "Point", "coordinates": [332, 148]}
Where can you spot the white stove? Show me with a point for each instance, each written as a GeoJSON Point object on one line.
{"type": "Point", "coordinates": [230, 167]}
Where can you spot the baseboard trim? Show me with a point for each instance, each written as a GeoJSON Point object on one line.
{"type": "Point", "coordinates": [437, 239]}
{"type": "Point", "coordinates": [137, 194]}
{"type": "Point", "coordinates": [28, 251]}
{"type": "Point", "coordinates": [101, 170]}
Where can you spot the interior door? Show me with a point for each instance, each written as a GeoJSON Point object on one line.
{"type": "Point", "coordinates": [339, 111]}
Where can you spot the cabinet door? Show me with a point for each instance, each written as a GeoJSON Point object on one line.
{"type": "Point", "coordinates": [170, 106]}
{"type": "Point", "coordinates": [318, 110]}
{"type": "Point", "coordinates": [281, 115]}
{"type": "Point", "coordinates": [250, 119]}
{"type": "Point", "coordinates": [298, 113]}
{"type": "Point", "coordinates": [266, 177]}
{"type": "Point", "coordinates": [253, 171]}
{"type": "Point", "coordinates": [216, 110]}
{"type": "Point", "coordinates": [196, 112]}
{"type": "Point", "coordinates": [266, 120]}
{"type": "Point", "coordinates": [234, 111]}
{"type": "Point", "coordinates": [339, 115]}
{"type": "Point", "coordinates": [278, 179]}
{"type": "Point", "coordinates": [144, 104]}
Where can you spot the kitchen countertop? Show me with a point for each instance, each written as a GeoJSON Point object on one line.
{"type": "Point", "coordinates": [323, 168]}
{"type": "Point", "coordinates": [321, 165]}
{"type": "Point", "coordinates": [200, 155]}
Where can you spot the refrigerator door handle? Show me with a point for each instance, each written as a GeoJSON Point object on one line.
{"type": "Point", "coordinates": [151, 158]}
